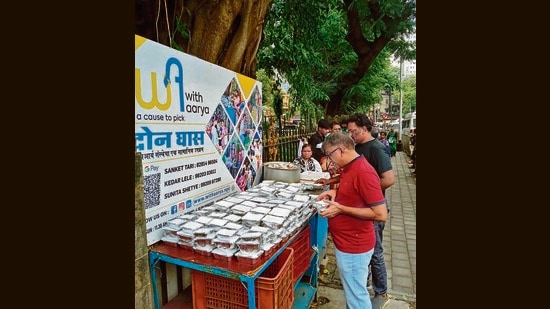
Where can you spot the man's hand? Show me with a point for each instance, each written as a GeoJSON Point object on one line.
{"type": "Point", "coordinates": [327, 195]}
{"type": "Point", "coordinates": [322, 181]}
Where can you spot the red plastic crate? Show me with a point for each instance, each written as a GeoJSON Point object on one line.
{"type": "Point", "coordinates": [302, 253]}
{"type": "Point", "coordinates": [274, 287]}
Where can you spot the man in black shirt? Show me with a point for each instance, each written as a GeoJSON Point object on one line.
{"type": "Point", "coordinates": [361, 128]}
{"type": "Point", "coordinates": [316, 140]}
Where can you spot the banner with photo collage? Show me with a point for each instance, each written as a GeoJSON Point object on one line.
{"type": "Point", "coordinates": [198, 130]}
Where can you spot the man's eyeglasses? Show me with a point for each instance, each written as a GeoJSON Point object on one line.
{"type": "Point", "coordinates": [330, 153]}
{"type": "Point", "coordinates": [353, 131]}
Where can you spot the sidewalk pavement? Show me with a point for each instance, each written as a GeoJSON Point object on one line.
{"type": "Point", "coordinates": [399, 248]}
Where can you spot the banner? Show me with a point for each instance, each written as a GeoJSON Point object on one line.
{"type": "Point", "coordinates": [198, 129]}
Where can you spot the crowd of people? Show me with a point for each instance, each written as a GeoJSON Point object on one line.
{"type": "Point", "coordinates": [357, 154]}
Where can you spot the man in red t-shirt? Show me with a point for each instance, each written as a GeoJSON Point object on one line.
{"type": "Point", "coordinates": [352, 208]}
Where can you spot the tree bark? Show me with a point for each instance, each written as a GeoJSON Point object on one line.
{"type": "Point", "coordinates": [223, 32]}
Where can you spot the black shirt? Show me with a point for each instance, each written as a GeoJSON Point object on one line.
{"type": "Point", "coordinates": [316, 140]}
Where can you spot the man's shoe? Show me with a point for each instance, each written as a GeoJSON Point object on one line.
{"type": "Point", "coordinates": [379, 301]}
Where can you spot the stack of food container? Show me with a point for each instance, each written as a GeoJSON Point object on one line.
{"type": "Point", "coordinates": [245, 225]}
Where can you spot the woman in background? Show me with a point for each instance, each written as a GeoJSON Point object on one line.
{"type": "Point", "coordinates": [306, 161]}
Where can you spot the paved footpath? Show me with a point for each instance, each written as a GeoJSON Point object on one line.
{"type": "Point", "coordinates": [399, 248]}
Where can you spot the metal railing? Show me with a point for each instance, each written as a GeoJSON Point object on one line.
{"type": "Point", "coordinates": [281, 144]}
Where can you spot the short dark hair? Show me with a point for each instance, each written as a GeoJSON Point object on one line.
{"type": "Point", "coordinates": [361, 121]}
{"type": "Point", "coordinates": [323, 123]}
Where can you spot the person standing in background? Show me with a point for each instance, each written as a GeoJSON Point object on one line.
{"type": "Point", "coordinates": [413, 152]}
{"type": "Point", "coordinates": [385, 142]}
{"type": "Point", "coordinates": [392, 139]}
{"type": "Point", "coordinates": [412, 142]}
{"type": "Point", "coordinates": [316, 140]}
{"type": "Point", "coordinates": [344, 127]}
{"type": "Point", "coordinates": [335, 127]}
{"type": "Point", "coordinates": [306, 162]}
{"type": "Point", "coordinates": [375, 132]}
{"type": "Point", "coordinates": [360, 128]}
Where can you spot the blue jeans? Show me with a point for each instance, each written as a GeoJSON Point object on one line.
{"type": "Point", "coordinates": [354, 276]}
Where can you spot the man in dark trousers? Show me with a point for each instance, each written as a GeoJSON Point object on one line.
{"type": "Point", "coordinates": [316, 140]}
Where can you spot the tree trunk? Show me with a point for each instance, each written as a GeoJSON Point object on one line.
{"type": "Point", "coordinates": [223, 32]}
{"type": "Point", "coordinates": [366, 54]}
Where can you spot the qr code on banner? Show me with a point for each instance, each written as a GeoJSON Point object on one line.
{"type": "Point", "coordinates": [151, 190]}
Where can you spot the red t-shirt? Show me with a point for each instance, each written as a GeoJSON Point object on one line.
{"type": "Point", "coordinates": [359, 187]}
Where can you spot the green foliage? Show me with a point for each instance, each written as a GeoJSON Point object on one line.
{"type": "Point", "coordinates": [181, 30]}
{"type": "Point", "coordinates": [277, 104]}
{"type": "Point", "coordinates": [305, 41]}
{"type": "Point", "coordinates": [381, 77]}
{"type": "Point", "coordinates": [301, 38]}
{"type": "Point", "coordinates": [409, 94]}
{"type": "Point", "coordinates": [267, 88]}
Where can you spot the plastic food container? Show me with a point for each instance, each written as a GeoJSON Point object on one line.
{"type": "Point", "coordinates": [252, 258]}
{"type": "Point", "coordinates": [240, 210]}
{"type": "Point", "coordinates": [186, 245]}
{"type": "Point", "coordinates": [260, 199]}
{"type": "Point", "coordinates": [269, 249]}
{"type": "Point", "coordinates": [301, 197]}
{"type": "Point", "coordinates": [234, 200]}
{"type": "Point", "coordinates": [204, 220]}
{"type": "Point", "coordinates": [169, 231]}
{"type": "Point", "coordinates": [233, 226]}
{"type": "Point", "coordinates": [249, 246]}
{"type": "Point", "coordinates": [320, 205]}
{"type": "Point", "coordinates": [233, 218]}
{"type": "Point", "coordinates": [249, 204]}
{"type": "Point", "coordinates": [251, 219]}
{"type": "Point", "coordinates": [312, 186]}
{"type": "Point", "coordinates": [279, 211]}
{"type": "Point", "coordinates": [176, 223]}
{"type": "Point", "coordinates": [204, 232]}
{"type": "Point", "coordinates": [203, 242]}
{"type": "Point", "coordinates": [216, 215]}
{"type": "Point", "coordinates": [191, 226]}
{"type": "Point", "coordinates": [223, 204]}
{"type": "Point", "coordinates": [261, 210]}
{"type": "Point", "coordinates": [218, 222]}
{"type": "Point", "coordinates": [226, 243]}
{"type": "Point", "coordinates": [224, 254]}
{"type": "Point", "coordinates": [251, 236]}
{"type": "Point", "coordinates": [205, 251]}
{"type": "Point", "coordinates": [225, 233]}
{"type": "Point", "coordinates": [188, 217]}
{"type": "Point", "coordinates": [170, 240]}
{"type": "Point", "coordinates": [273, 222]}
